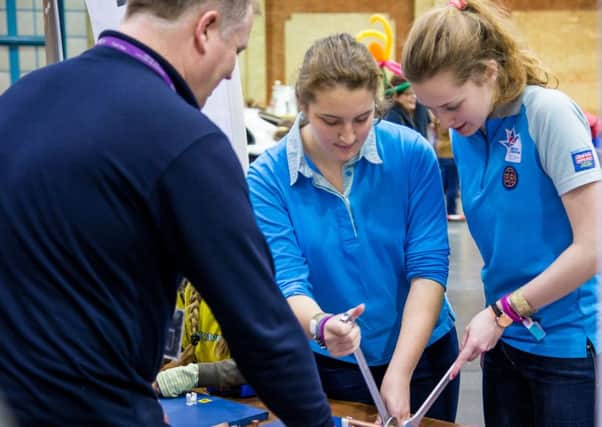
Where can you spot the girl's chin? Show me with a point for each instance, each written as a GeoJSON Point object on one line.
{"type": "Point", "coordinates": [465, 130]}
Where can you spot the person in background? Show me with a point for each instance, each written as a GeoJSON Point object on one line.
{"type": "Point", "coordinates": [100, 214]}
{"type": "Point", "coordinates": [404, 109]}
{"type": "Point", "coordinates": [205, 360]}
{"type": "Point", "coordinates": [531, 189]}
{"type": "Point", "coordinates": [595, 125]}
{"type": "Point", "coordinates": [352, 209]}
{"type": "Point", "coordinates": [449, 172]}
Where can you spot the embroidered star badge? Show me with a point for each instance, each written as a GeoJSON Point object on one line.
{"type": "Point", "coordinates": [512, 137]}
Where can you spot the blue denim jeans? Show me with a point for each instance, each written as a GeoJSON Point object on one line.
{"type": "Point", "coordinates": [344, 381]}
{"type": "Point", "coordinates": [522, 389]}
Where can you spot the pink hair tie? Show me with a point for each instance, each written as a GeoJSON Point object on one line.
{"type": "Point", "coordinates": [458, 4]}
{"type": "Point", "coordinates": [392, 66]}
{"type": "Point", "coordinates": [509, 310]}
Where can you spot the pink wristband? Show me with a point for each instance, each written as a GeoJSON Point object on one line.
{"type": "Point", "coordinates": [509, 310]}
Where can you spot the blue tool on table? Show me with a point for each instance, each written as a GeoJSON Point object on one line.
{"type": "Point", "coordinates": [208, 411]}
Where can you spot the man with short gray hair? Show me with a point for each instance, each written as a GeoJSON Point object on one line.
{"type": "Point", "coordinates": [114, 186]}
{"type": "Point", "coordinates": [233, 11]}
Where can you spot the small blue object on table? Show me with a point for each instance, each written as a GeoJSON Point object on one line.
{"type": "Point", "coordinates": [209, 411]}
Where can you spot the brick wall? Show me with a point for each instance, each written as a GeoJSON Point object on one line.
{"type": "Point", "coordinates": [277, 12]}
{"type": "Point", "coordinates": [564, 32]}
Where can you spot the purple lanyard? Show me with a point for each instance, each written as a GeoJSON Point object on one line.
{"type": "Point", "coordinates": [138, 54]}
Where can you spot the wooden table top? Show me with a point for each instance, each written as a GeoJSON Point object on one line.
{"type": "Point", "coordinates": [359, 411]}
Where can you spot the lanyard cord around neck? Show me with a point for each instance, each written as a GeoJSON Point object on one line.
{"type": "Point", "coordinates": [138, 54]}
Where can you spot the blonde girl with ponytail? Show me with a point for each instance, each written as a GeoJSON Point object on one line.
{"type": "Point", "coordinates": [531, 192]}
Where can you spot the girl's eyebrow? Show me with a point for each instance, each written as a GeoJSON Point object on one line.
{"type": "Point", "coordinates": [332, 116]}
{"type": "Point", "coordinates": [448, 103]}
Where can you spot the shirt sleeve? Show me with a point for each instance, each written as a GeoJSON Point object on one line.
{"type": "Point", "coordinates": [427, 247]}
{"type": "Point", "coordinates": [562, 136]}
{"type": "Point", "coordinates": [222, 374]}
{"type": "Point", "coordinates": [175, 381]}
{"type": "Point", "coordinates": [292, 271]}
{"type": "Point", "coordinates": [202, 210]}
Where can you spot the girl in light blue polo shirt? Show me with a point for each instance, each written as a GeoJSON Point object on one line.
{"type": "Point", "coordinates": [531, 193]}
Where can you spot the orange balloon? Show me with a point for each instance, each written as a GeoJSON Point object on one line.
{"type": "Point", "coordinates": [377, 51]}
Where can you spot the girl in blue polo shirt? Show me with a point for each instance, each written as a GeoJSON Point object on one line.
{"type": "Point", "coordinates": [531, 190]}
{"type": "Point", "coordinates": [353, 212]}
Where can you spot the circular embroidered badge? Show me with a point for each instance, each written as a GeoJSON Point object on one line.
{"type": "Point", "coordinates": [510, 177]}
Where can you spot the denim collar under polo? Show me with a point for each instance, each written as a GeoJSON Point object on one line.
{"type": "Point", "coordinates": [299, 164]}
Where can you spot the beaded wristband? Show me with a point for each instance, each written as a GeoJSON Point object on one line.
{"type": "Point", "coordinates": [314, 323]}
{"type": "Point", "coordinates": [509, 310]}
{"type": "Point", "coordinates": [520, 304]}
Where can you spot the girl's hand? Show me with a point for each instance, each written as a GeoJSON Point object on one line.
{"type": "Point", "coordinates": [395, 390]}
{"type": "Point", "coordinates": [481, 335]}
{"type": "Point", "coordinates": [343, 338]}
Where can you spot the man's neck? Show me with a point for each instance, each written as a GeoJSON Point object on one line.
{"type": "Point", "coordinates": [162, 36]}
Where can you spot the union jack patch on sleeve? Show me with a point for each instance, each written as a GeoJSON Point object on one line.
{"type": "Point", "coordinates": [583, 160]}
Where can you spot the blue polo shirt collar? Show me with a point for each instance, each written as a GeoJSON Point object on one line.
{"type": "Point", "coordinates": [298, 163]}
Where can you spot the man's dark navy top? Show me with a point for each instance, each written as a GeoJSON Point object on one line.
{"type": "Point", "coordinates": [111, 186]}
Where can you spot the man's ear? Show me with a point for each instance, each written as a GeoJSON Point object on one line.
{"type": "Point", "coordinates": [206, 29]}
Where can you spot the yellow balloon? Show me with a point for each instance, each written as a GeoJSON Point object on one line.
{"type": "Point", "coordinates": [388, 33]}
{"type": "Point", "coordinates": [371, 33]}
